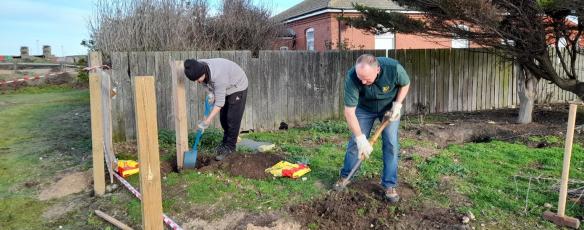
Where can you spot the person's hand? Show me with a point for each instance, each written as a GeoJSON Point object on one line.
{"type": "Point", "coordinates": [203, 125]}
{"type": "Point", "coordinates": [395, 112]}
{"type": "Point", "coordinates": [363, 147]}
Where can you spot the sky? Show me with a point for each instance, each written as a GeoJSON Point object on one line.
{"type": "Point", "coordinates": [62, 24]}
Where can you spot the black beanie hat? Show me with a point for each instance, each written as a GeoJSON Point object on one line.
{"type": "Point", "coordinates": [194, 69]}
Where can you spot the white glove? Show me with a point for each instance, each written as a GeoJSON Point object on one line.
{"type": "Point", "coordinates": [203, 125]}
{"type": "Point", "coordinates": [363, 147]}
{"type": "Point", "coordinates": [211, 98]}
{"type": "Point", "coordinates": [395, 112]}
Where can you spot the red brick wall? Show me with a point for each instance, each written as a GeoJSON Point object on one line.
{"type": "Point", "coordinates": [326, 28]}
{"type": "Point", "coordinates": [322, 31]}
{"type": "Point", "coordinates": [352, 37]}
{"type": "Point", "coordinates": [410, 41]}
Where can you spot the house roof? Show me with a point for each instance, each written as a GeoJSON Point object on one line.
{"type": "Point", "coordinates": [310, 6]}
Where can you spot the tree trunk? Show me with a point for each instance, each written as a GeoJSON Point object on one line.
{"type": "Point", "coordinates": [526, 84]}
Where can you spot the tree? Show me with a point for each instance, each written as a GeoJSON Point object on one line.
{"type": "Point", "coordinates": [167, 25]}
{"type": "Point", "coordinates": [520, 30]}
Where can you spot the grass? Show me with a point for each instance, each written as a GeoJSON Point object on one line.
{"type": "Point", "coordinates": [33, 127]}
{"type": "Point", "coordinates": [34, 145]}
{"type": "Point", "coordinates": [486, 175]}
{"type": "Point", "coordinates": [483, 172]}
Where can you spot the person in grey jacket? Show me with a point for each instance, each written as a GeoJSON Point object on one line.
{"type": "Point", "coordinates": [227, 83]}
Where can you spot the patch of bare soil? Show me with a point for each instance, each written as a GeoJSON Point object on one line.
{"type": "Point", "coordinates": [485, 126]}
{"type": "Point", "coordinates": [128, 148]}
{"type": "Point", "coordinates": [59, 210]}
{"type": "Point", "coordinates": [70, 184]}
{"type": "Point", "coordinates": [424, 152]}
{"type": "Point", "coordinates": [243, 221]}
{"type": "Point", "coordinates": [245, 165]}
{"type": "Point", "coordinates": [364, 207]}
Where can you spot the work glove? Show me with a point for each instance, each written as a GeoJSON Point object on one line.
{"type": "Point", "coordinates": [363, 147]}
{"type": "Point", "coordinates": [395, 112]}
{"type": "Point", "coordinates": [211, 98]}
{"type": "Point", "coordinates": [203, 125]}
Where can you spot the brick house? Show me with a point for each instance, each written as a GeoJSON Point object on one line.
{"type": "Point", "coordinates": [313, 25]}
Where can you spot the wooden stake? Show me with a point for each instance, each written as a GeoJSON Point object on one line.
{"type": "Point", "coordinates": [97, 134]}
{"type": "Point", "coordinates": [112, 220]}
{"type": "Point", "coordinates": [148, 153]}
{"type": "Point", "coordinates": [567, 157]}
{"type": "Point", "coordinates": [179, 103]}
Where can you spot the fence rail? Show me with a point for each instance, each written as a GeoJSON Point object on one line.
{"type": "Point", "coordinates": [299, 86]}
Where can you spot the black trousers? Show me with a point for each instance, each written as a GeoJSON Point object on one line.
{"type": "Point", "coordinates": [230, 117]}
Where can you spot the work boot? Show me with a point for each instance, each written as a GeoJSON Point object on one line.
{"type": "Point", "coordinates": [222, 152]}
{"type": "Point", "coordinates": [340, 185]}
{"type": "Point", "coordinates": [391, 195]}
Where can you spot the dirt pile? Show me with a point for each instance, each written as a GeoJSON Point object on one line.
{"type": "Point", "coordinates": [245, 165]}
{"type": "Point", "coordinates": [444, 135]}
{"type": "Point", "coordinates": [363, 207]}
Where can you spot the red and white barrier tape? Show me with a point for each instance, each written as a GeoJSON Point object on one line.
{"type": "Point", "coordinates": [96, 67]}
{"type": "Point", "coordinates": [173, 225]}
{"type": "Point", "coordinates": [27, 78]}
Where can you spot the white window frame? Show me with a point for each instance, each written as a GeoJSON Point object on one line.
{"type": "Point", "coordinates": [458, 43]}
{"type": "Point", "coordinates": [385, 37]}
{"type": "Point", "coordinates": [310, 40]}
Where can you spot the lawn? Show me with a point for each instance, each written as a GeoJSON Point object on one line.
{"type": "Point", "coordinates": [45, 132]}
{"type": "Point", "coordinates": [35, 144]}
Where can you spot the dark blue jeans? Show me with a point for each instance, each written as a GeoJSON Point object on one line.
{"type": "Point", "coordinates": [390, 148]}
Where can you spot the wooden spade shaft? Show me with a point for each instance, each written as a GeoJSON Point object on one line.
{"type": "Point", "coordinates": [559, 218]}
{"type": "Point", "coordinates": [112, 220]}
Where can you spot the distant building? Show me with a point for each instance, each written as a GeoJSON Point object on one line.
{"type": "Point", "coordinates": [47, 56]}
{"type": "Point", "coordinates": [313, 25]}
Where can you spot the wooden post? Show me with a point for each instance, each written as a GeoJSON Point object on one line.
{"type": "Point", "coordinates": [112, 220]}
{"type": "Point", "coordinates": [179, 103]}
{"type": "Point", "coordinates": [97, 134]}
{"type": "Point", "coordinates": [567, 157]}
{"type": "Point", "coordinates": [148, 153]}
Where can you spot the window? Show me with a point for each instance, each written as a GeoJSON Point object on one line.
{"type": "Point", "coordinates": [385, 41]}
{"type": "Point", "coordinates": [284, 48]}
{"type": "Point", "coordinates": [310, 39]}
{"type": "Point", "coordinates": [459, 42]}
{"type": "Point", "coordinates": [562, 43]}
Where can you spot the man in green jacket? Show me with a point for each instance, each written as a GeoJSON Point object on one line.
{"type": "Point", "coordinates": [374, 89]}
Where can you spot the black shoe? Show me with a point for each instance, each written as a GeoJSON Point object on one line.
{"type": "Point", "coordinates": [222, 152]}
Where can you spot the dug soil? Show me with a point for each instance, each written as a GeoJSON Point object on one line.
{"type": "Point", "coordinates": [252, 165]}
{"type": "Point", "coordinates": [485, 126]}
{"type": "Point", "coordinates": [362, 206]}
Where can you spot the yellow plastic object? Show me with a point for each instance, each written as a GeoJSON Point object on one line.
{"type": "Point", "coordinates": [127, 167]}
{"type": "Point", "coordinates": [266, 148]}
{"type": "Point", "coordinates": [287, 169]}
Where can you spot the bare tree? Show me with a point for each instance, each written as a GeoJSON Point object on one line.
{"type": "Point", "coordinates": [167, 25]}
{"type": "Point", "coordinates": [242, 25]}
{"type": "Point", "coordinates": [520, 30]}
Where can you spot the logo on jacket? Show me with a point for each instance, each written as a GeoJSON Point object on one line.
{"type": "Point", "coordinates": [385, 89]}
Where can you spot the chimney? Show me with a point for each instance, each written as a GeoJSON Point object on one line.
{"type": "Point", "coordinates": [24, 52]}
{"type": "Point", "coordinates": [47, 51]}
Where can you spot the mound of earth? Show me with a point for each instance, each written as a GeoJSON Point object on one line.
{"type": "Point", "coordinates": [500, 124]}
{"type": "Point", "coordinates": [362, 206]}
{"type": "Point", "coordinates": [245, 165]}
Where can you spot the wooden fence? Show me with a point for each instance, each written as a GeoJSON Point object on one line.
{"type": "Point", "coordinates": [299, 86]}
